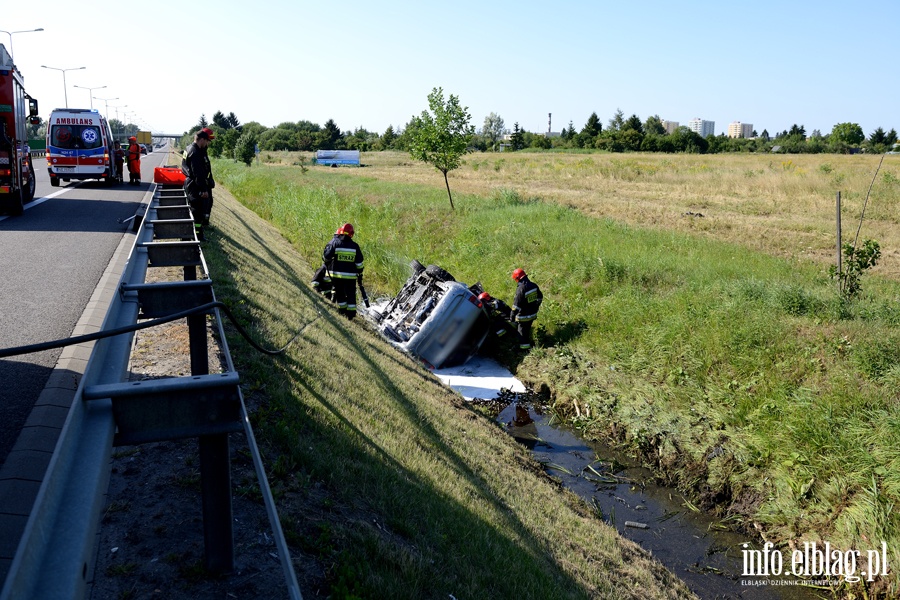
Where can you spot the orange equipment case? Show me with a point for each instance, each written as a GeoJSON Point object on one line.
{"type": "Point", "coordinates": [170, 175]}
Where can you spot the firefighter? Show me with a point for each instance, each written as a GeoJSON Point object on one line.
{"type": "Point", "coordinates": [198, 179]}
{"type": "Point", "coordinates": [344, 260]}
{"type": "Point", "coordinates": [321, 280]}
{"type": "Point", "coordinates": [500, 314]}
{"type": "Point", "coordinates": [134, 162]}
{"type": "Point", "coordinates": [119, 156]}
{"type": "Point", "coordinates": [525, 306]}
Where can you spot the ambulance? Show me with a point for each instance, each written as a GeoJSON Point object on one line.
{"type": "Point", "coordinates": [79, 146]}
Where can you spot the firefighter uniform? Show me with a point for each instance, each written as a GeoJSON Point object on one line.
{"type": "Point", "coordinates": [500, 314]}
{"type": "Point", "coordinates": [344, 260]}
{"type": "Point", "coordinates": [321, 280]}
{"type": "Point", "coordinates": [134, 162]}
{"type": "Point", "coordinates": [526, 303]}
{"type": "Point", "coordinates": [198, 180]}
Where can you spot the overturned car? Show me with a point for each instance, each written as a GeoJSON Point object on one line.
{"type": "Point", "coordinates": [434, 317]}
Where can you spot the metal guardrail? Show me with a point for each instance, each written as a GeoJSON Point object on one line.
{"type": "Point", "coordinates": [56, 554]}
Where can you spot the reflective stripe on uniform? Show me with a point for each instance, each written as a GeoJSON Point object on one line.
{"type": "Point", "coordinates": [342, 275]}
{"type": "Point", "coordinates": [524, 318]}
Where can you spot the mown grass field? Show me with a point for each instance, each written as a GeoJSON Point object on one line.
{"type": "Point", "coordinates": [388, 485]}
{"type": "Point", "coordinates": [714, 346]}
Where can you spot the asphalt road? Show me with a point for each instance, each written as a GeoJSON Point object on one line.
{"type": "Point", "coordinates": [51, 259]}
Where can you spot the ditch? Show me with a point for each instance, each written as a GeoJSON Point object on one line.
{"type": "Point", "coordinates": [698, 548]}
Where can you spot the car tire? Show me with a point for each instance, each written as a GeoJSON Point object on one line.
{"type": "Point", "coordinates": [439, 273]}
{"type": "Point", "coordinates": [54, 181]}
{"type": "Point", "coordinates": [416, 267]}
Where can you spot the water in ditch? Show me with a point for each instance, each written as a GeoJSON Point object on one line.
{"type": "Point", "coordinates": [697, 548]}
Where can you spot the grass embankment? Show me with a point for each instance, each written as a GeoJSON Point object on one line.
{"type": "Point", "coordinates": [736, 373]}
{"type": "Point", "coordinates": [388, 485]}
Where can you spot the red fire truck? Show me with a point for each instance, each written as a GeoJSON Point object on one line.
{"type": "Point", "coordinates": [16, 172]}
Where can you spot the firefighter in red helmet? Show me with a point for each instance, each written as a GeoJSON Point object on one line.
{"type": "Point", "coordinates": [525, 307]}
{"type": "Point", "coordinates": [500, 315]}
{"type": "Point", "coordinates": [344, 261]}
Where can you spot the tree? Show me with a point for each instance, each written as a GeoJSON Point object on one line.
{"type": "Point", "coordinates": [441, 137]}
{"type": "Point", "coordinates": [245, 148]}
{"type": "Point", "coordinates": [798, 131]}
{"type": "Point", "coordinates": [764, 135]}
{"type": "Point", "coordinates": [493, 129]}
{"type": "Point", "coordinates": [617, 121]}
{"type": "Point", "coordinates": [233, 121]}
{"type": "Point", "coordinates": [202, 123]}
{"type": "Point", "coordinates": [388, 137]}
{"type": "Point", "coordinates": [220, 120]}
{"type": "Point", "coordinates": [593, 127]}
{"type": "Point", "coordinates": [330, 137]}
{"type": "Point", "coordinates": [633, 123]}
{"type": "Point", "coordinates": [878, 136]}
{"type": "Point", "coordinates": [890, 138]}
{"type": "Point", "coordinates": [653, 126]}
{"type": "Point", "coordinates": [847, 133]}
{"type": "Point", "coordinates": [517, 140]}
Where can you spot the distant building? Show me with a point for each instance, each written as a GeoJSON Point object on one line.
{"type": "Point", "coordinates": [701, 127]}
{"type": "Point", "coordinates": [670, 126]}
{"type": "Point", "coordinates": [736, 129]}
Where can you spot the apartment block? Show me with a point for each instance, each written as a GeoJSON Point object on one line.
{"type": "Point", "coordinates": [736, 129]}
{"type": "Point", "coordinates": [670, 126]}
{"type": "Point", "coordinates": [701, 127]}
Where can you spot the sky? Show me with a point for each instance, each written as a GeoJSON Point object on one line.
{"type": "Point", "coordinates": [372, 64]}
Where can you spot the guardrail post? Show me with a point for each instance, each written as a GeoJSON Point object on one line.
{"type": "Point", "coordinates": [215, 461]}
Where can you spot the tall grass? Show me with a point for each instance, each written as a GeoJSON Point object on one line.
{"type": "Point", "coordinates": [736, 373]}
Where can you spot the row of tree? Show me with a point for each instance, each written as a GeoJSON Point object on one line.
{"type": "Point", "coordinates": [441, 135]}
{"type": "Point", "coordinates": [620, 135]}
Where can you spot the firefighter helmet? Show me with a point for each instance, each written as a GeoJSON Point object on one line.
{"type": "Point", "coordinates": [484, 297]}
{"type": "Point", "coordinates": [346, 229]}
{"type": "Point", "coordinates": [518, 274]}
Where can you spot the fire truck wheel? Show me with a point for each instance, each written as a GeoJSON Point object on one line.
{"type": "Point", "coordinates": [28, 192]}
{"type": "Point", "coordinates": [54, 181]}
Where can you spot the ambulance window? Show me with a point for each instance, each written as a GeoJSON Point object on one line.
{"type": "Point", "coordinates": [90, 137]}
{"type": "Point", "coordinates": [62, 137]}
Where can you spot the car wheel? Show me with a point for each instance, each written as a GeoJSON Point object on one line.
{"type": "Point", "coordinates": [438, 273]}
{"type": "Point", "coordinates": [18, 203]}
{"type": "Point", "coordinates": [417, 267]}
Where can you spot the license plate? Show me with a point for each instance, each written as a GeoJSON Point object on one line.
{"type": "Point", "coordinates": [65, 169]}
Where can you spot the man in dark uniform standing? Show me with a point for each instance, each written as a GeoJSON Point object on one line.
{"type": "Point", "coordinates": [525, 306]}
{"type": "Point", "coordinates": [198, 180]}
{"type": "Point", "coordinates": [344, 260]}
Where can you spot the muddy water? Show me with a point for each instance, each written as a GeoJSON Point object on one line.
{"type": "Point", "coordinates": [697, 548]}
{"type": "Point", "coordinates": [689, 543]}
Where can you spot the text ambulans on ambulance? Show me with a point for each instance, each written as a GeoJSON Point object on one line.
{"type": "Point", "coordinates": [79, 146]}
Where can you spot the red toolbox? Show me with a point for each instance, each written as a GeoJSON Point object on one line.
{"type": "Point", "coordinates": [169, 175]}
